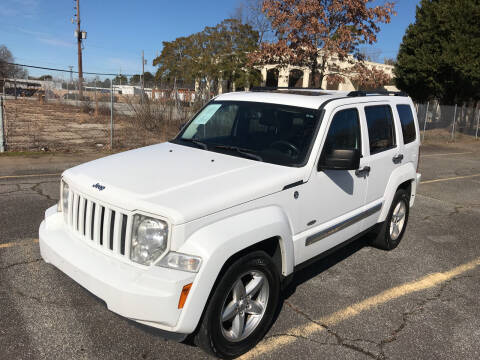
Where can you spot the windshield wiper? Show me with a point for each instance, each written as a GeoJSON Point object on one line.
{"type": "Point", "coordinates": [241, 151]}
{"type": "Point", "coordinates": [196, 142]}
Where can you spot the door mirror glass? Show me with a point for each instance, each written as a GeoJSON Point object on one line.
{"type": "Point", "coordinates": [341, 159]}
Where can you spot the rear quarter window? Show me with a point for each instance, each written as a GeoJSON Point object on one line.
{"type": "Point", "coordinates": [408, 123]}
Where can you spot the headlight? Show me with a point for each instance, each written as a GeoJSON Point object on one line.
{"type": "Point", "coordinates": [149, 239]}
{"type": "Point", "coordinates": [64, 195]}
{"type": "Point", "coordinates": [179, 261]}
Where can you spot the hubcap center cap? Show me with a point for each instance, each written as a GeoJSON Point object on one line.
{"type": "Point", "coordinates": [242, 304]}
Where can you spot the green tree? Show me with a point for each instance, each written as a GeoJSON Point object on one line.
{"type": "Point", "coordinates": [218, 52]}
{"type": "Point", "coordinates": [120, 80]}
{"type": "Point", "coordinates": [149, 79]}
{"type": "Point", "coordinates": [135, 79]}
{"type": "Point", "coordinates": [440, 53]}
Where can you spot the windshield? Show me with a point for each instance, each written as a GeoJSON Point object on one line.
{"type": "Point", "coordinates": [272, 133]}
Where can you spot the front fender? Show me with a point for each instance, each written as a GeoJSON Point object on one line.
{"type": "Point", "coordinates": [398, 176]}
{"type": "Point", "coordinates": [217, 242]}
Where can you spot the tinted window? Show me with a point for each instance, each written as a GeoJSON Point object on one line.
{"type": "Point", "coordinates": [381, 129]}
{"type": "Point", "coordinates": [344, 132]}
{"type": "Point", "coordinates": [274, 133]}
{"type": "Point", "coordinates": [408, 124]}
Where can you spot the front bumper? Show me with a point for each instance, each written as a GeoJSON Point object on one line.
{"type": "Point", "coordinates": [146, 294]}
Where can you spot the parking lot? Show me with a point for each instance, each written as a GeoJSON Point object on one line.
{"type": "Point", "coordinates": [420, 301]}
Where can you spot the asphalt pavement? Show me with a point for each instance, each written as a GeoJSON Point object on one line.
{"type": "Point", "coordinates": [419, 301]}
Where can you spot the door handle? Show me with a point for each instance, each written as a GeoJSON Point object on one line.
{"type": "Point", "coordinates": [397, 159]}
{"type": "Point", "coordinates": [363, 172]}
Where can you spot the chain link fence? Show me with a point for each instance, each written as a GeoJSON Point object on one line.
{"type": "Point", "coordinates": [448, 123]}
{"type": "Point", "coordinates": [48, 112]}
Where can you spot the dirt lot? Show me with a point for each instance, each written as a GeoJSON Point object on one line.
{"type": "Point", "coordinates": [419, 301]}
{"type": "Point", "coordinates": [32, 125]}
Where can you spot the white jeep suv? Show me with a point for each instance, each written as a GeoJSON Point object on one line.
{"type": "Point", "coordinates": [197, 235]}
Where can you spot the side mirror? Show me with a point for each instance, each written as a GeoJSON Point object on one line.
{"type": "Point", "coordinates": [340, 160]}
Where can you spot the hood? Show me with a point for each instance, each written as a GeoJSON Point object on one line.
{"type": "Point", "coordinates": [178, 182]}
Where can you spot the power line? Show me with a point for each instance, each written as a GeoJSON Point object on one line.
{"type": "Point", "coordinates": [67, 71]}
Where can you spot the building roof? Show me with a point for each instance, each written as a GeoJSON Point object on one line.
{"type": "Point", "coordinates": [312, 99]}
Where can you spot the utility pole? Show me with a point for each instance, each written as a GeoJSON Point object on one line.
{"type": "Point", "coordinates": [143, 75]}
{"type": "Point", "coordinates": [80, 35]}
{"type": "Point", "coordinates": [2, 133]}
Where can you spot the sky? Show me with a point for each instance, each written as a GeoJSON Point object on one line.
{"type": "Point", "coordinates": [40, 32]}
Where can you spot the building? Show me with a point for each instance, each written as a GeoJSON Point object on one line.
{"type": "Point", "coordinates": [131, 90]}
{"type": "Point", "coordinates": [296, 76]}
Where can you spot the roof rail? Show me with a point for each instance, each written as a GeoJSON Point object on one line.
{"type": "Point", "coordinates": [298, 90]}
{"type": "Point", "coordinates": [270, 88]}
{"type": "Point", "coordinates": [380, 92]}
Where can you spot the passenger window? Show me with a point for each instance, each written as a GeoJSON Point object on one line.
{"type": "Point", "coordinates": [381, 128]}
{"type": "Point", "coordinates": [344, 132]}
{"type": "Point", "coordinates": [408, 124]}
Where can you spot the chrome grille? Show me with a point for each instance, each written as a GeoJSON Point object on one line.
{"type": "Point", "coordinates": [101, 225]}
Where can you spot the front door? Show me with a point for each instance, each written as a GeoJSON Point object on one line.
{"type": "Point", "coordinates": [332, 199]}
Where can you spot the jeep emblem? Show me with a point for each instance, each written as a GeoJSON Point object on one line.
{"type": "Point", "coordinates": [98, 186]}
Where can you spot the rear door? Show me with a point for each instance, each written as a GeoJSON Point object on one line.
{"type": "Point", "coordinates": [384, 155]}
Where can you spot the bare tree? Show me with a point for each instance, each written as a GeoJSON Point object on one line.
{"type": "Point", "coordinates": [7, 70]}
{"type": "Point", "coordinates": [251, 12]}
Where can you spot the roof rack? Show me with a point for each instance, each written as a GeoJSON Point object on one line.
{"type": "Point", "coordinates": [268, 88]}
{"type": "Point", "coordinates": [380, 92]}
{"type": "Point", "coordinates": [292, 90]}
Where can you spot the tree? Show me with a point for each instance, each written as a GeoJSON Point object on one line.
{"type": "Point", "coordinates": [218, 52]}
{"type": "Point", "coordinates": [250, 12]}
{"type": "Point", "coordinates": [312, 32]}
{"type": "Point", "coordinates": [135, 79]}
{"type": "Point", "coordinates": [149, 79]}
{"type": "Point", "coordinates": [120, 80]}
{"type": "Point", "coordinates": [369, 78]}
{"type": "Point", "coordinates": [7, 70]}
{"type": "Point", "coordinates": [440, 52]}
{"type": "Point", "coordinates": [105, 83]}
{"type": "Point", "coordinates": [42, 77]}
{"type": "Point", "coordinates": [173, 61]}
{"type": "Point", "coordinates": [389, 61]}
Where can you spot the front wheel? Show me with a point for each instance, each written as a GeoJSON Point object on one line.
{"type": "Point", "coordinates": [241, 308]}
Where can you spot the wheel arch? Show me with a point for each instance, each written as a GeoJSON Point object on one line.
{"type": "Point", "coordinates": [221, 243]}
{"type": "Point", "coordinates": [401, 178]}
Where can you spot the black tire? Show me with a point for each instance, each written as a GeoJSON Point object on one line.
{"type": "Point", "coordinates": [383, 240]}
{"type": "Point", "coordinates": [210, 336]}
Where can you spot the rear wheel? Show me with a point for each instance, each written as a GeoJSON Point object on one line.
{"type": "Point", "coordinates": [241, 308]}
{"type": "Point", "coordinates": [391, 231]}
